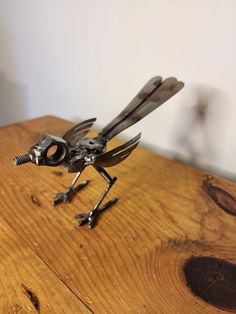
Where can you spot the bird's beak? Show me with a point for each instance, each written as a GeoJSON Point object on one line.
{"type": "Point", "coordinates": [22, 159]}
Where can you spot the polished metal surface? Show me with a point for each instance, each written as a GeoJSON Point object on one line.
{"type": "Point", "coordinates": [75, 152]}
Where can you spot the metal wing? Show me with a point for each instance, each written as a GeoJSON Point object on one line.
{"type": "Point", "coordinates": [77, 132]}
{"type": "Point", "coordinates": [118, 154]}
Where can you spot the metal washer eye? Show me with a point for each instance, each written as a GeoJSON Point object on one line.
{"type": "Point", "coordinates": [56, 156]}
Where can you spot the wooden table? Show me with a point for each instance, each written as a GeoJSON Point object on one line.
{"type": "Point", "coordinates": [167, 246]}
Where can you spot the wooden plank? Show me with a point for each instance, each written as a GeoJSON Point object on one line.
{"type": "Point", "coordinates": [27, 284]}
{"type": "Point", "coordinates": [134, 261]}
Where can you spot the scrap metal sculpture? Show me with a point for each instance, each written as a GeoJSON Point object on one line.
{"type": "Point", "coordinates": [75, 152]}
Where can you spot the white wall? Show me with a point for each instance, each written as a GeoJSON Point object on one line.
{"type": "Point", "coordinates": [80, 59]}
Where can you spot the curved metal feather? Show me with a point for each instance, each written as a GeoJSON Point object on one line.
{"type": "Point", "coordinates": [117, 154]}
{"type": "Point", "coordinates": [77, 132]}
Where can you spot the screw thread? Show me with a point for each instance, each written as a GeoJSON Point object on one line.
{"type": "Point", "coordinates": [22, 159]}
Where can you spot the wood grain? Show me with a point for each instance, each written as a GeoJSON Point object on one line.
{"type": "Point", "coordinates": [132, 262]}
{"type": "Point", "coordinates": [27, 284]}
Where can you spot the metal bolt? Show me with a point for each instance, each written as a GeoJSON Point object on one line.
{"type": "Point", "coordinates": [22, 159]}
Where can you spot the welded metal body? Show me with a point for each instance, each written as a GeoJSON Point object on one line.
{"type": "Point", "coordinates": [75, 152]}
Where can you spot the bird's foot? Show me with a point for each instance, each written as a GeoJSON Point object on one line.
{"type": "Point", "coordinates": [66, 197]}
{"type": "Point", "coordinates": [91, 218]}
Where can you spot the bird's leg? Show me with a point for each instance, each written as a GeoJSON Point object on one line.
{"type": "Point", "coordinates": [92, 217]}
{"type": "Point", "coordinates": [71, 190]}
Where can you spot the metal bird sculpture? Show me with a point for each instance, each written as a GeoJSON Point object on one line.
{"type": "Point", "coordinates": [75, 152]}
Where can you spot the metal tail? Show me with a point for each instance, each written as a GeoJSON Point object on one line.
{"type": "Point", "coordinates": [152, 95]}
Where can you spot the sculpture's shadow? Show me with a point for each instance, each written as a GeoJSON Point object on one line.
{"type": "Point", "coordinates": [201, 131]}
